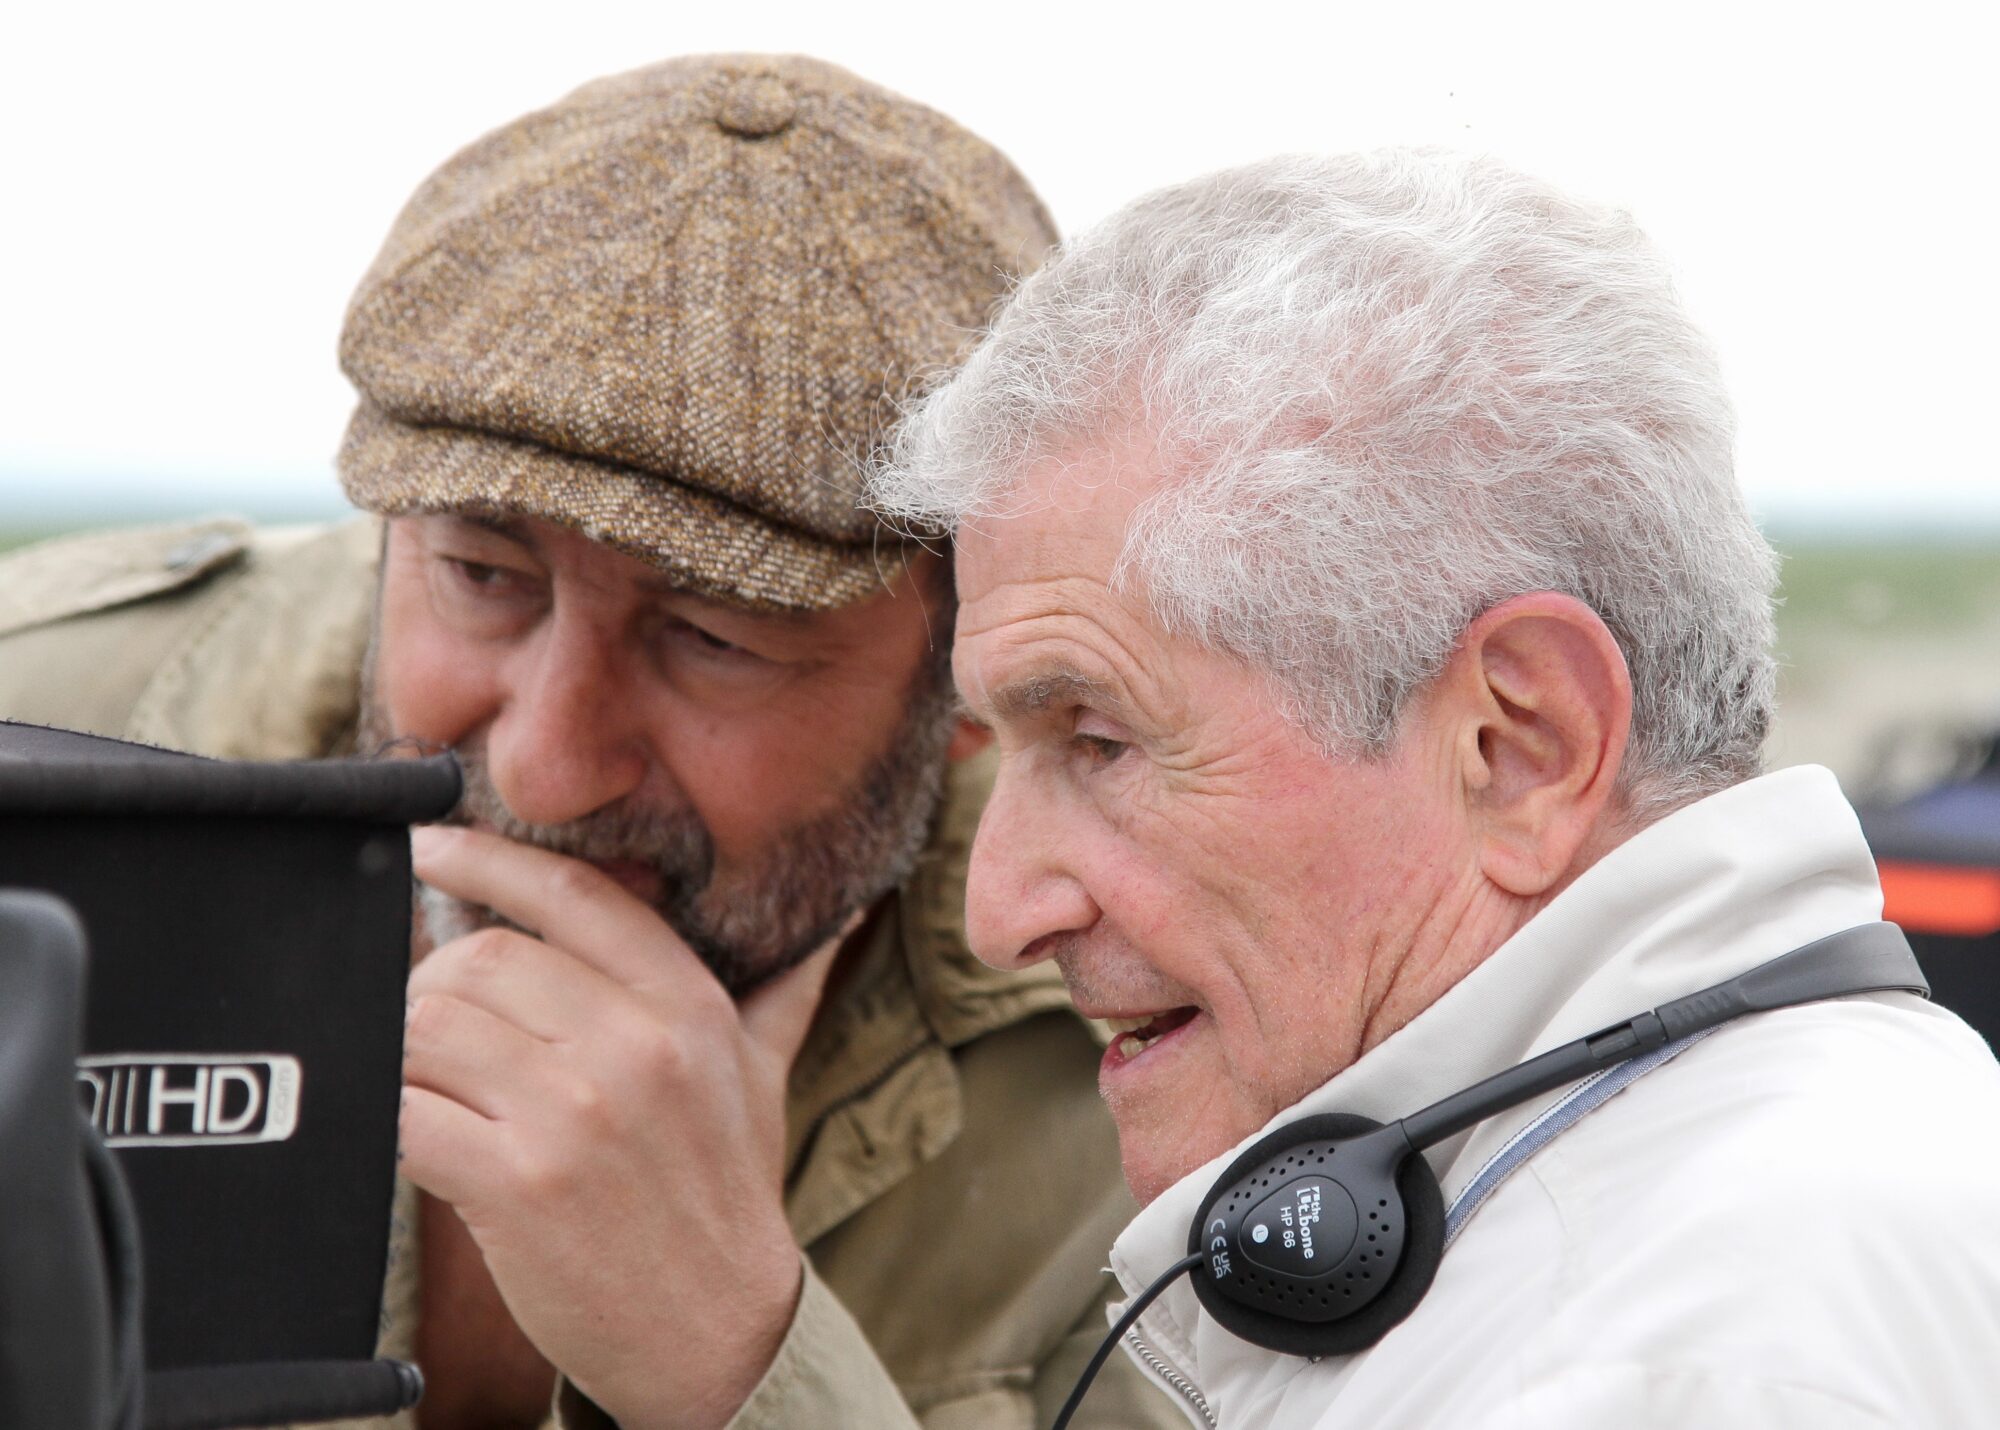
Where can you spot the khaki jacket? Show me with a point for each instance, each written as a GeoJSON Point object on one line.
{"type": "Point", "coordinates": [953, 1176]}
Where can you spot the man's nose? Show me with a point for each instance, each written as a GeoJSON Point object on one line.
{"type": "Point", "coordinates": [568, 740]}
{"type": "Point", "coordinates": [1022, 884]}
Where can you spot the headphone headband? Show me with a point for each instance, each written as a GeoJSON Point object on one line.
{"type": "Point", "coordinates": [1870, 958]}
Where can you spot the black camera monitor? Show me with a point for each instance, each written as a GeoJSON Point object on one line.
{"type": "Point", "coordinates": [248, 929]}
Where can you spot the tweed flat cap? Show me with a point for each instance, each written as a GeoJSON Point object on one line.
{"type": "Point", "coordinates": [673, 311]}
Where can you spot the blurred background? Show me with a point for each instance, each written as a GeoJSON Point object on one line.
{"type": "Point", "coordinates": [191, 192]}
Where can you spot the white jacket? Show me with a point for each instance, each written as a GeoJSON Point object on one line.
{"type": "Point", "coordinates": [1793, 1222]}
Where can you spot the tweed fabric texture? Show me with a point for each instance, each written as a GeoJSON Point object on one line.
{"type": "Point", "coordinates": [674, 311]}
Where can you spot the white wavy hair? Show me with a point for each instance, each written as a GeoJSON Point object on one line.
{"type": "Point", "coordinates": [1389, 391]}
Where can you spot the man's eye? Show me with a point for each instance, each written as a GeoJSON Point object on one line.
{"type": "Point", "coordinates": [483, 576]}
{"type": "Point", "coordinates": [706, 640]}
{"type": "Point", "coordinates": [1101, 749]}
{"type": "Point", "coordinates": [714, 641]}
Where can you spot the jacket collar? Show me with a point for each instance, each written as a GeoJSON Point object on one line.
{"type": "Point", "coordinates": [1705, 893]}
{"type": "Point", "coordinates": [270, 672]}
{"type": "Point", "coordinates": [959, 997]}
{"type": "Point", "coordinates": [874, 1093]}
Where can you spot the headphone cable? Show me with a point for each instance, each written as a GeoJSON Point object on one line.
{"type": "Point", "coordinates": [1132, 1313]}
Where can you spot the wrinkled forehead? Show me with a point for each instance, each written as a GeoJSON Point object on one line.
{"type": "Point", "coordinates": [1065, 521]}
{"type": "Point", "coordinates": [1044, 618]}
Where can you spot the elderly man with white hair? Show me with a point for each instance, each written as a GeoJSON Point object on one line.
{"type": "Point", "coordinates": [1353, 574]}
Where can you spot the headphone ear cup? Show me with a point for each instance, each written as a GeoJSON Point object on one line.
{"type": "Point", "coordinates": [1423, 1250]}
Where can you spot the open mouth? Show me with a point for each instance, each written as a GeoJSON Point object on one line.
{"type": "Point", "coordinates": [1132, 1037]}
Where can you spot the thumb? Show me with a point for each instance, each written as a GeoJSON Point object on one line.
{"type": "Point", "coordinates": [776, 1016]}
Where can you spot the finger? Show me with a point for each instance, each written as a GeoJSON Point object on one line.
{"type": "Point", "coordinates": [445, 1147]}
{"type": "Point", "coordinates": [777, 1015]}
{"type": "Point", "coordinates": [569, 902]}
{"type": "Point", "coordinates": [463, 1052]}
{"type": "Point", "coordinates": [543, 991]}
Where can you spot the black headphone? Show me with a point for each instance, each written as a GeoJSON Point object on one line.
{"type": "Point", "coordinates": [1326, 1233]}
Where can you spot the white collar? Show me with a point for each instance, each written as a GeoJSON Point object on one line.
{"type": "Point", "coordinates": [1707, 892]}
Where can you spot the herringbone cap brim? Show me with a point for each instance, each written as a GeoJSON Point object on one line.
{"type": "Point", "coordinates": [674, 312]}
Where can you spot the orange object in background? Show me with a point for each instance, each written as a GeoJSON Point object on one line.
{"type": "Point", "coordinates": [1939, 856]}
{"type": "Point", "coordinates": [1940, 898]}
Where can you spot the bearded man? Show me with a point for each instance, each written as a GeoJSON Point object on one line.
{"type": "Point", "coordinates": [694, 993]}
{"type": "Point", "coordinates": [1351, 567]}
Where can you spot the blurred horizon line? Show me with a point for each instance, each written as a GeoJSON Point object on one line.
{"type": "Point", "coordinates": [71, 499]}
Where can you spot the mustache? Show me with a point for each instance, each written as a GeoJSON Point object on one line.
{"type": "Point", "coordinates": [1108, 973]}
{"type": "Point", "coordinates": [676, 844]}
{"type": "Point", "coordinates": [750, 918]}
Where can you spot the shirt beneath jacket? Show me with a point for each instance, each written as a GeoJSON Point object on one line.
{"type": "Point", "coordinates": [1793, 1222]}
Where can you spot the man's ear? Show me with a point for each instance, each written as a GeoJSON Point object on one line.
{"type": "Point", "coordinates": [968, 738]}
{"type": "Point", "coordinates": [1540, 705]}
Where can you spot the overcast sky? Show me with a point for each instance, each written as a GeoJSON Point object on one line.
{"type": "Point", "coordinates": [192, 190]}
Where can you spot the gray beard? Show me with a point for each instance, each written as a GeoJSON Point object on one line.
{"type": "Point", "coordinates": [764, 919]}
